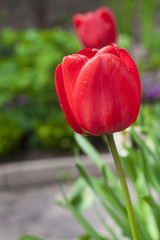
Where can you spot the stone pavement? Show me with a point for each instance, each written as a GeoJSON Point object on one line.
{"type": "Point", "coordinates": [38, 172]}
{"type": "Point", "coordinates": [28, 191]}
{"type": "Point", "coordinates": [33, 211]}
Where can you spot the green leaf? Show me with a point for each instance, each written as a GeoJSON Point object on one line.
{"type": "Point", "coordinates": [78, 188]}
{"type": "Point", "coordinates": [30, 238]}
{"type": "Point", "coordinates": [107, 200]}
{"type": "Point", "coordinates": [129, 163]}
{"type": "Point", "coordinates": [80, 196]}
{"type": "Point", "coordinates": [89, 150]}
{"type": "Point", "coordinates": [88, 228]}
{"type": "Point", "coordinates": [84, 237]}
{"type": "Point", "coordinates": [94, 155]}
{"type": "Point", "coordinates": [147, 199]}
{"type": "Point", "coordinates": [110, 231]}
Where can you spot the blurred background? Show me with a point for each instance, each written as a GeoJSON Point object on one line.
{"type": "Point", "coordinates": [34, 37]}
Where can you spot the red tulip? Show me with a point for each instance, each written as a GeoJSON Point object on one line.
{"type": "Point", "coordinates": [99, 90]}
{"type": "Point", "coordinates": [96, 29]}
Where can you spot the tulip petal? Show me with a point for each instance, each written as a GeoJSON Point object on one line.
{"type": "Point", "coordinates": [128, 61]}
{"type": "Point", "coordinates": [77, 20]}
{"type": "Point", "coordinates": [109, 101]}
{"type": "Point", "coordinates": [59, 84]}
{"type": "Point", "coordinates": [106, 14]}
{"type": "Point", "coordinates": [110, 23]}
{"type": "Point", "coordinates": [112, 49]}
{"type": "Point", "coordinates": [88, 52]}
{"type": "Point", "coordinates": [71, 67]}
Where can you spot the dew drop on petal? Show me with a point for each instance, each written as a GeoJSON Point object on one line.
{"type": "Point", "coordinates": [85, 83]}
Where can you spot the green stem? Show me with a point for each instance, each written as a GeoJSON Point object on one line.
{"type": "Point", "coordinates": [124, 186]}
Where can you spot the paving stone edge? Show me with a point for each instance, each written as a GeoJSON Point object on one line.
{"type": "Point", "coordinates": [51, 170]}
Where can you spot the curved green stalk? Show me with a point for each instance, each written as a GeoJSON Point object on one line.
{"type": "Point", "coordinates": [124, 186]}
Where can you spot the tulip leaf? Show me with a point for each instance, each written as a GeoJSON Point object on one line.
{"type": "Point", "coordinates": [93, 154]}
{"type": "Point", "coordinates": [88, 228]}
{"type": "Point", "coordinates": [78, 187]}
{"type": "Point", "coordinates": [30, 238]}
{"type": "Point", "coordinates": [84, 237]}
{"type": "Point", "coordinates": [61, 203]}
{"type": "Point", "coordinates": [149, 159]}
{"type": "Point", "coordinates": [152, 225]}
{"type": "Point", "coordinates": [83, 202]}
{"type": "Point", "coordinates": [110, 230]}
{"type": "Point", "coordinates": [89, 150]}
{"type": "Point", "coordinates": [147, 199]}
{"type": "Point", "coordinates": [107, 200]}
{"type": "Point", "coordinates": [80, 196]}
{"type": "Point", "coordinates": [129, 163]}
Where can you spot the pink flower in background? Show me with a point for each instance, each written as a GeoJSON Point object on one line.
{"type": "Point", "coordinates": [96, 29]}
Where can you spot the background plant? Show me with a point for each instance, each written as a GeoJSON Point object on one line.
{"type": "Point", "coordinates": [27, 96]}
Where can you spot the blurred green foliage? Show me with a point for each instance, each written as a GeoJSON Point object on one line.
{"type": "Point", "coordinates": [56, 134]}
{"type": "Point", "coordinates": [139, 16]}
{"type": "Point", "coordinates": [27, 96]}
{"type": "Point", "coordinates": [124, 11]}
{"type": "Point", "coordinates": [148, 114]}
{"type": "Point", "coordinates": [10, 136]}
{"type": "Point", "coordinates": [139, 19]}
{"type": "Point", "coordinates": [125, 41]}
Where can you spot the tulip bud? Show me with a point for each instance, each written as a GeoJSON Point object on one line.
{"type": "Point", "coordinates": [99, 90]}
{"type": "Point", "coordinates": [96, 29]}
